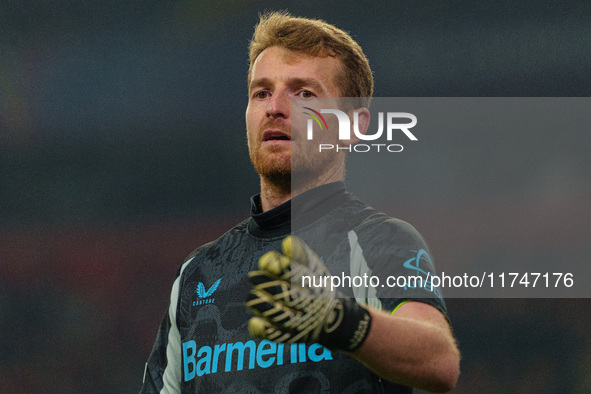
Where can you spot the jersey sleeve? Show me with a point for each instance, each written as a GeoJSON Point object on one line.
{"type": "Point", "coordinates": [158, 361]}
{"type": "Point", "coordinates": [163, 370]}
{"type": "Point", "coordinates": [396, 255]}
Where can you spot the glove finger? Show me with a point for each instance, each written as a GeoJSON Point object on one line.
{"type": "Point", "coordinates": [305, 264]}
{"type": "Point", "coordinates": [257, 278]}
{"type": "Point", "coordinates": [299, 319]}
{"type": "Point", "coordinates": [258, 327]}
{"type": "Point", "coordinates": [275, 264]}
{"type": "Point", "coordinates": [261, 304]}
{"type": "Point", "coordinates": [293, 247]}
{"type": "Point", "coordinates": [299, 252]}
{"type": "Point", "coordinates": [261, 328]}
{"type": "Point", "coordinates": [279, 290]}
{"type": "Point", "coordinates": [293, 329]}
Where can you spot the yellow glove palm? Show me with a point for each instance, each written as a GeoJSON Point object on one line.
{"type": "Point", "coordinates": [290, 313]}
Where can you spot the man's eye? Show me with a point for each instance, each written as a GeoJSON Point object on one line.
{"type": "Point", "coordinates": [306, 94]}
{"type": "Point", "coordinates": [262, 94]}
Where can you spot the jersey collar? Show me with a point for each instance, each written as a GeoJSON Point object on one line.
{"type": "Point", "coordinates": [302, 209]}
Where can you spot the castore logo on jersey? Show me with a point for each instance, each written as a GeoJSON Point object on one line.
{"type": "Point", "coordinates": [205, 295]}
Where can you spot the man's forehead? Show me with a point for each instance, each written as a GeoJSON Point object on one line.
{"type": "Point", "coordinates": [269, 61]}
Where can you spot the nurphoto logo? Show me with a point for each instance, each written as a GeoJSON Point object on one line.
{"type": "Point", "coordinates": [394, 122]}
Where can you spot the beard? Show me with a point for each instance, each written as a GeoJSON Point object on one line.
{"type": "Point", "coordinates": [297, 169]}
{"type": "Point", "coordinates": [274, 166]}
{"type": "Point", "coordinates": [271, 162]}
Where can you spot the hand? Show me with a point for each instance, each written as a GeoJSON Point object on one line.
{"type": "Point", "coordinates": [288, 312]}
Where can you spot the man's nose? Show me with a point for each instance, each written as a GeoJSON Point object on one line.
{"type": "Point", "coordinates": [279, 105]}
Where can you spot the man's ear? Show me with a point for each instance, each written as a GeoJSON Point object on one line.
{"type": "Point", "coordinates": [362, 123]}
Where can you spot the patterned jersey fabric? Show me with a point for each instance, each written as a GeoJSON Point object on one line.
{"type": "Point", "coordinates": [203, 343]}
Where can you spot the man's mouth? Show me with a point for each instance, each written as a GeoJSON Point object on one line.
{"type": "Point", "coordinates": [274, 135]}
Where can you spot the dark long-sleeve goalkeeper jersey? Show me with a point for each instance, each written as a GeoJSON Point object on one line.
{"type": "Point", "coordinates": [203, 344]}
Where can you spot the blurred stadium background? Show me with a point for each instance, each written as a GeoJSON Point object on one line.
{"type": "Point", "coordinates": [122, 148]}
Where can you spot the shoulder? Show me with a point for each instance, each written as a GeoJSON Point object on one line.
{"type": "Point", "coordinates": [371, 224]}
{"type": "Point", "coordinates": [214, 260]}
{"type": "Point", "coordinates": [226, 240]}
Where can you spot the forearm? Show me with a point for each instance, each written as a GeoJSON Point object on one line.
{"type": "Point", "coordinates": [415, 347]}
{"type": "Point", "coordinates": [418, 352]}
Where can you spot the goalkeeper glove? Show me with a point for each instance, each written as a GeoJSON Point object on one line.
{"type": "Point", "coordinates": [287, 312]}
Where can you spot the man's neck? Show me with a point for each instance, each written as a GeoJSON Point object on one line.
{"type": "Point", "coordinates": [274, 194]}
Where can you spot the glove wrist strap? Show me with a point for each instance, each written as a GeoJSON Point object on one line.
{"type": "Point", "coordinates": [348, 326]}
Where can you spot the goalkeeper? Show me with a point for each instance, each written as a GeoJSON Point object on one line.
{"type": "Point", "coordinates": [290, 338]}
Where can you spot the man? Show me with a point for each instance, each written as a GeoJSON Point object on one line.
{"type": "Point", "coordinates": [341, 344]}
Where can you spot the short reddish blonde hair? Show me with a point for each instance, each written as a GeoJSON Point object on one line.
{"type": "Point", "coordinates": [316, 38]}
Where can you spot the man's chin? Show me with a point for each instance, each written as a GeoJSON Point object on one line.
{"type": "Point", "coordinates": [279, 178]}
{"type": "Point", "coordinates": [274, 171]}
{"type": "Point", "coordinates": [283, 174]}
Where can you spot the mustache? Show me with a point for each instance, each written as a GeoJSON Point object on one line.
{"type": "Point", "coordinates": [279, 125]}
